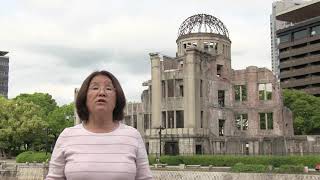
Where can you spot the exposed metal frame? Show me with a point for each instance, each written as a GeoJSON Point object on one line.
{"type": "Point", "coordinates": [202, 23]}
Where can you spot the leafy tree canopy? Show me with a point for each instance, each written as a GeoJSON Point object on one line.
{"type": "Point", "coordinates": [43, 100]}
{"type": "Point", "coordinates": [305, 109]}
{"type": "Point", "coordinates": [32, 122]}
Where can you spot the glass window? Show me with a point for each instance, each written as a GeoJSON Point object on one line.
{"type": "Point", "coordinates": [284, 38]}
{"type": "Point", "coordinates": [240, 92]}
{"type": "Point", "coordinates": [300, 34]}
{"type": "Point", "coordinates": [315, 30]}
{"type": "Point", "coordinates": [242, 121]}
{"type": "Point", "coordinates": [265, 91]}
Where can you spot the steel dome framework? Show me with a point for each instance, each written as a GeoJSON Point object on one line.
{"type": "Point", "coordinates": [202, 23]}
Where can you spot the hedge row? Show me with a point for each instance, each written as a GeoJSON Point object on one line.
{"type": "Point", "coordinates": [31, 156]}
{"type": "Point", "coordinates": [259, 168]}
{"type": "Point", "coordinates": [229, 160]}
{"type": "Point", "coordinates": [290, 169]}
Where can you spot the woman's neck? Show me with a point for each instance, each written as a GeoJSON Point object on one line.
{"type": "Point", "coordinates": [100, 124]}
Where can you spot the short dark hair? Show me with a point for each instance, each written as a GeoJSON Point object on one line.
{"type": "Point", "coordinates": [81, 100]}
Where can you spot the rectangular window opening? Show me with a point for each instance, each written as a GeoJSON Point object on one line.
{"type": "Point", "coordinates": [265, 91]}
{"type": "Point", "coordinates": [219, 70]}
{"type": "Point", "coordinates": [164, 119]}
{"type": "Point", "coordinates": [240, 92]}
{"type": "Point", "coordinates": [221, 98]}
{"type": "Point", "coordinates": [170, 119]}
{"type": "Point", "coordinates": [201, 119]}
{"type": "Point", "coordinates": [266, 120]}
{"type": "Point", "coordinates": [170, 88]}
{"type": "Point", "coordinates": [180, 120]}
{"type": "Point", "coordinates": [221, 127]}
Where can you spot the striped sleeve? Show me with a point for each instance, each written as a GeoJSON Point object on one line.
{"type": "Point", "coordinates": [142, 162]}
{"type": "Point", "coordinates": [57, 161]}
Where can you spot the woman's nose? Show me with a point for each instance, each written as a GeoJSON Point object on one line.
{"type": "Point", "coordinates": [102, 92]}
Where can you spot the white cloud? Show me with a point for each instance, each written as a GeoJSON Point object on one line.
{"type": "Point", "coordinates": [54, 44]}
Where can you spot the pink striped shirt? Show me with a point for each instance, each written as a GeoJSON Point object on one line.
{"type": "Point", "coordinates": [80, 154]}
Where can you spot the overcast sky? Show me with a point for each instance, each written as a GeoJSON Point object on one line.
{"type": "Point", "coordinates": [54, 44]}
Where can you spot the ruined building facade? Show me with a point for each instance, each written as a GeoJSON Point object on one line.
{"type": "Point", "coordinates": [203, 106]}
{"type": "Point", "coordinates": [195, 103]}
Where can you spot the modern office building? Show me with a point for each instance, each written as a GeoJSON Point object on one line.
{"type": "Point", "coordinates": [4, 73]}
{"type": "Point", "coordinates": [299, 48]}
{"type": "Point", "coordinates": [275, 25]}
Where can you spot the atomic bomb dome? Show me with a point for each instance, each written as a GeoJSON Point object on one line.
{"type": "Point", "coordinates": [202, 23]}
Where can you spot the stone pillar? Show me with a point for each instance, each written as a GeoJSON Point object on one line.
{"type": "Point", "coordinates": [156, 90]}
{"type": "Point", "coordinates": [253, 99]}
{"type": "Point", "coordinates": [218, 150]}
{"type": "Point", "coordinates": [251, 148]}
{"type": "Point", "coordinates": [192, 89]}
{"type": "Point", "coordinates": [256, 147]}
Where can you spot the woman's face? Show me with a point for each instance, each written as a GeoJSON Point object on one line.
{"type": "Point", "coordinates": [101, 95]}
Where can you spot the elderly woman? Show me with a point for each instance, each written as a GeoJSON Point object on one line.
{"type": "Point", "coordinates": [101, 147]}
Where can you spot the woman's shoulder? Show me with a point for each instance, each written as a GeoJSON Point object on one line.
{"type": "Point", "coordinates": [71, 130]}
{"type": "Point", "coordinates": [129, 130]}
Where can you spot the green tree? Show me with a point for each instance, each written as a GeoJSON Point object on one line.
{"type": "Point", "coordinates": [32, 122]}
{"type": "Point", "coordinates": [59, 119]}
{"type": "Point", "coordinates": [305, 109]}
{"type": "Point", "coordinates": [21, 125]}
{"type": "Point", "coordinates": [43, 100]}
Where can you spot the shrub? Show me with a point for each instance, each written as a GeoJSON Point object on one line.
{"type": "Point", "coordinates": [231, 160]}
{"type": "Point", "coordinates": [290, 169]}
{"type": "Point", "coordinates": [152, 159]}
{"type": "Point", "coordinates": [31, 156]}
{"type": "Point", "coordinates": [258, 168]}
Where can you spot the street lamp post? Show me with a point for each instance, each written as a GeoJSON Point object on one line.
{"type": "Point", "coordinates": [160, 129]}
{"type": "Point", "coordinates": [47, 132]}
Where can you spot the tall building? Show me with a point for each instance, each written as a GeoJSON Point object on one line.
{"type": "Point", "coordinates": [275, 25]}
{"type": "Point", "coordinates": [4, 73]}
{"type": "Point", "coordinates": [299, 48]}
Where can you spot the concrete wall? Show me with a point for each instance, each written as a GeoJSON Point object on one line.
{"type": "Point", "coordinates": [191, 175]}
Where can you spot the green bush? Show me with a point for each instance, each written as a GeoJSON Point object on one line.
{"type": "Point", "coordinates": [31, 156]}
{"type": "Point", "coordinates": [258, 168]}
{"type": "Point", "coordinates": [152, 160]}
{"type": "Point", "coordinates": [290, 169]}
{"type": "Point", "coordinates": [231, 160]}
